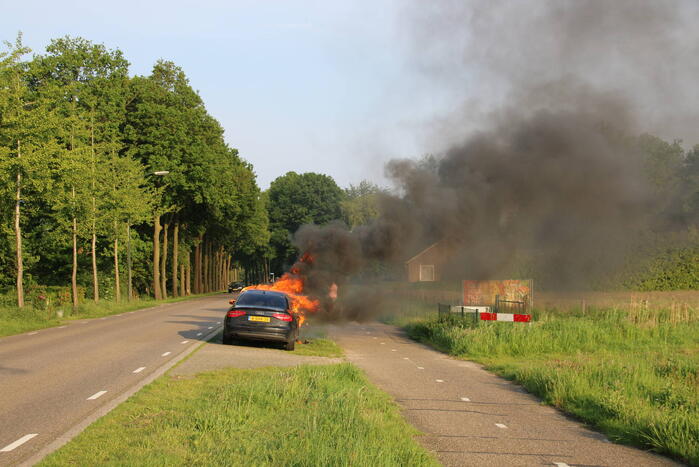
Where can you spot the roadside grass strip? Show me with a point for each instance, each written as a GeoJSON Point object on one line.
{"type": "Point", "coordinates": [305, 416]}
{"type": "Point", "coordinates": [318, 347]}
{"type": "Point", "coordinates": [633, 377]}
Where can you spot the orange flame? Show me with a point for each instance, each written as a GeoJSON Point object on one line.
{"type": "Point", "coordinates": [292, 285]}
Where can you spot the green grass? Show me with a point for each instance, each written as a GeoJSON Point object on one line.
{"type": "Point", "coordinates": [16, 321]}
{"type": "Point", "coordinates": [303, 416]}
{"type": "Point", "coordinates": [634, 376]}
{"type": "Point", "coordinates": [319, 347]}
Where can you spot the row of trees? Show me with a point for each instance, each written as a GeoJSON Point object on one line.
{"type": "Point", "coordinates": [95, 163]}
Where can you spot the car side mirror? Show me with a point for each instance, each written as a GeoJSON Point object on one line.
{"type": "Point", "coordinates": [232, 302]}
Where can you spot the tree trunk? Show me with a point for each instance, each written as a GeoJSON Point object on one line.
{"type": "Point", "coordinates": [198, 284]}
{"type": "Point", "coordinates": [216, 281]}
{"type": "Point", "coordinates": [163, 264]}
{"type": "Point", "coordinates": [175, 254]}
{"type": "Point", "coordinates": [183, 289]}
{"type": "Point", "coordinates": [95, 281]}
{"type": "Point", "coordinates": [74, 275]}
{"type": "Point", "coordinates": [188, 272]}
{"type": "Point", "coordinates": [129, 263]}
{"type": "Point", "coordinates": [156, 258]}
{"type": "Point", "coordinates": [18, 234]}
{"type": "Point", "coordinates": [205, 268]}
{"type": "Point", "coordinates": [117, 284]}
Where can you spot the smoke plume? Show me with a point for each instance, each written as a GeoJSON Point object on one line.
{"type": "Point", "coordinates": [544, 167]}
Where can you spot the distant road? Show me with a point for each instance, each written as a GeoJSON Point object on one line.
{"type": "Point", "coordinates": [53, 379]}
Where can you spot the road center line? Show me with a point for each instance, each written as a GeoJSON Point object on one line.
{"type": "Point", "coordinates": [500, 425]}
{"type": "Point", "coordinates": [18, 443]}
{"type": "Point", "coordinates": [166, 354]}
{"type": "Point", "coordinates": [96, 395]}
{"type": "Point", "coordinates": [140, 369]}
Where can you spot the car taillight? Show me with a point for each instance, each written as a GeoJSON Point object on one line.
{"type": "Point", "coordinates": [235, 313]}
{"type": "Point", "coordinates": [283, 316]}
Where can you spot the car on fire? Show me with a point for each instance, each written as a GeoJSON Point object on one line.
{"type": "Point", "coordinates": [263, 315]}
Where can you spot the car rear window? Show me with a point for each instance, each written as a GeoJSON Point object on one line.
{"type": "Point", "coordinates": [274, 301]}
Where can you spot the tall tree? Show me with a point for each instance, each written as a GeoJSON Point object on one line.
{"type": "Point", "coordinates": [25, 144]}
{"type": "Point", "coordinates": [88, 84]}
{"type": "Point", "coordinates": [297, 199]}
{"type": "Point", "coordinates": [361, 203]}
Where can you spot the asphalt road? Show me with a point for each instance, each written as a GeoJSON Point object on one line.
{"type": "Point", "coordinates": [471, 417]}
{"type": "Point", "coordinates": [54, 381]}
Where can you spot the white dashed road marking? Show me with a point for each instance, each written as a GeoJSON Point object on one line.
{"type": "Point", "coordinates": [32, 333]}
{"type": "Point", "coordinates": [466, 399]}
{"type": "Point", "coordinates": [406, 358]}
{"type": "Point", "coordinates": [421, 368]}
{"type": "Point", "coordinates": [18, 443]}
{"type": "Point", "coordinates": [383, 343]}
{"type": "Point", "coordinates": [393, 350]}
{"type": "Point", "coordinates": [500, 425]}
{"type": "Point", "coordinates": [166, 354]}
{"type": "Point", "coordinates": [561, 464]}
{"type": "Point", "coordinates": [140, 369]}
{"type": "Point", "coordinates": [439, 380]}
{"type": "Point", "coordinates": [60, 327]}
{"type": "Point", "coordinates": [96, 395]}
{"type": "Point", "coordinates": [184, 342]}
{"type": "Point", "coordinates": [211, 327]}
{"type": "Point", "coordinates": [198, 334]}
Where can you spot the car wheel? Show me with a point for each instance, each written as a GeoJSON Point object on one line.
{"type": "Point", "coordinates": [290, 345]}
{"type": "Point", "coordinates": [227, 340]}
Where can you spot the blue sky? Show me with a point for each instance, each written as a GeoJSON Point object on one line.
{"type": "Point", "coordinates": [297, 85]}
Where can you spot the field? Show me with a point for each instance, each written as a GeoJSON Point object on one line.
{"type": "Point", "coordinates": [304, 416]}
{"type": "Point", "coordinates": [631, 371]}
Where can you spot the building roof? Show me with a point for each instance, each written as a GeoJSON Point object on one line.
{"type": "Point", "coordinates": [422, 252]}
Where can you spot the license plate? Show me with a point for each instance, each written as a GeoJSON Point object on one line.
{"type": "Point", "coordinates": [261, 319]}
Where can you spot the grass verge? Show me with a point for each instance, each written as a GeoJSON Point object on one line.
{"type": "Point", "coordinates": [17, 321]}
{"type": "Point", "coordinates": [318, 347]}
{"type": "Point", "coordinates": [634, 376]}
{"type": "Point", "coordinates": [302, 416]}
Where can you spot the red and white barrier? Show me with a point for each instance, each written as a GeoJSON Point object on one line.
{"type": "Point", "coordinates": [505, 317]}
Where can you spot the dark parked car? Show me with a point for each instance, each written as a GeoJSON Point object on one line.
{"type": "Point", "coordinates": [235, 287]}
{"type": "Point", "coordinates": [261, 315]}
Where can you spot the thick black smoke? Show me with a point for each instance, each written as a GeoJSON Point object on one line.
{"type": "Point", "coordinates": [551, 175]}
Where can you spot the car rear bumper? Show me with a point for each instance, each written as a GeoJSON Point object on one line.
{"type": "Point", "coordinates": [259, 333]}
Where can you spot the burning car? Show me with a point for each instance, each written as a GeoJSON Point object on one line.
{"type": "Point", "coordinates": [264, 315]}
